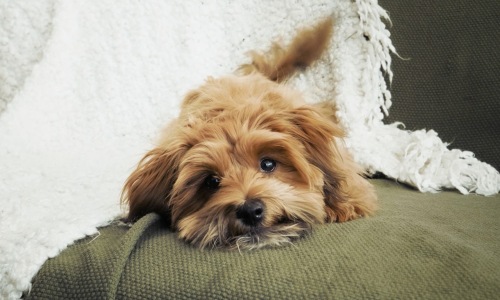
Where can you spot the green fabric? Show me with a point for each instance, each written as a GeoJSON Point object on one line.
{"type": "Point", "coordinates": [449, 76]}
{"type": "Point", "coordinates": [417, 246]}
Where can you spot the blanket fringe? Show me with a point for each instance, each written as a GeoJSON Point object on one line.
{"type": "Point", "coordinates": [429, 165]}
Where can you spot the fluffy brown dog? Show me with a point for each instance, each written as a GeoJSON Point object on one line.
{"type": "Point", "coordinates": [248, 163]}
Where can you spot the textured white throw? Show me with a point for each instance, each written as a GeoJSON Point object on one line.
{"type": "Point", "coordinates": [85, 87]}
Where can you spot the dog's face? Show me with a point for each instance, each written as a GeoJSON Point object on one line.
{"type": "Point", "coordinates": [243, 183]}
{"type": "Point", "coordinates": [246, 165]}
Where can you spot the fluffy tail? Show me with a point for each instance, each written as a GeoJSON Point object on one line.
{"type": "Point", "coordinates": [279, 63]}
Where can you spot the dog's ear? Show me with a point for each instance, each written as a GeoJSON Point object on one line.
{"type": "Point", "coordinates": [148, 188]}
{"type": "Point", "coordinates": [348, 195]}
{"type": "Point", "coordinates": [317, 132]}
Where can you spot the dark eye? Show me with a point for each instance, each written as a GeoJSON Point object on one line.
{"type": "Point", "coordinates": [212, 182]}
{"type": "Point", "coordinates": [267, 165]}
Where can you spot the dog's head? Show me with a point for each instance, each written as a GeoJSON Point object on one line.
{"type": "Point", "coordinates": [244, 166]}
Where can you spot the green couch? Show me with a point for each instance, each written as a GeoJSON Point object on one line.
{"type": "Point", "coordinates": [420, 246]}
{"type": "Point", "coordinates": [449, 76]}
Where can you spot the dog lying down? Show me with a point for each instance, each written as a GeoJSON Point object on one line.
{"type": "Point", "coordinates": [248, 163]}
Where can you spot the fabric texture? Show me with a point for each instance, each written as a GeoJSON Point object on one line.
{"type": "Point", "coordinates": [419, 246]}
{"type": "Point", "coordinates": [447, 77]}
{"type": "Point", "coordinates": [24, 33]}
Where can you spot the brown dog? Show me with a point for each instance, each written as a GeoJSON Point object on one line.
{"type": "Point", "coordinates": [248, 163]}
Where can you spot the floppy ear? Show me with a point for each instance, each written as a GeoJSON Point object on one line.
{"type": "Point", "coordinates": [348, 195]}
{"type": "Point", "coordinates": [148, 188]}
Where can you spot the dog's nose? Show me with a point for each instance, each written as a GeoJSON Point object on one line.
{"type": "Point", "coordinates": [251, 213]}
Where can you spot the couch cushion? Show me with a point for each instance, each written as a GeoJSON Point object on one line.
{"type": "Point", "coordinates": [448, 79]}
{"type": "Point", "coordinates": [419, 245]}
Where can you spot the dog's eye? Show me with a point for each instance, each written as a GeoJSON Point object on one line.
{"type": "Point", "coordinates": [212, 182]}
{"type": "Point", "coordinates": [267, 165]}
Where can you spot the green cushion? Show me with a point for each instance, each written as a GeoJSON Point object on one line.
{"type": "Point", "coordinates": [419, 245]}
{"type": "Point", "coordinates": [449, 77]}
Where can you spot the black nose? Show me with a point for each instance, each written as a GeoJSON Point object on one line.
{"type": "Point", "coordinates": [251, 213]}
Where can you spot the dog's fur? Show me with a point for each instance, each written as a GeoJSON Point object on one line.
{"type": "Point", "coordinates": [248, 163]}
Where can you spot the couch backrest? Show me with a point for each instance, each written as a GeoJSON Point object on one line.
{"type": "Point", "coordinates": [449, 77]}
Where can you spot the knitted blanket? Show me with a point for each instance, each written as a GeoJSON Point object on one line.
{"type": "Point", "coordinates": [87, 85]}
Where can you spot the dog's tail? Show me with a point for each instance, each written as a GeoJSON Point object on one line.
{"type": "Point", "coordinates": [279, 63]}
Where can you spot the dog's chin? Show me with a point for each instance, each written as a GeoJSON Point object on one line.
{"type": "Point", "coordinates": [238, 236]}
{"type": "Point", "coordinates": [281, 234]}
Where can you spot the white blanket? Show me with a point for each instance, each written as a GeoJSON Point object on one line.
{"type": "Point", "coordinates": [85, 87]}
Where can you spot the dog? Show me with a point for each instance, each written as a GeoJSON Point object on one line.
{"type": "Point", "coordinates": [248, 163]}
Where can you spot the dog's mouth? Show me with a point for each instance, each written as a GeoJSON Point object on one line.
{"type": "Point", "coordinates": [227, 230]}
{"type": "Point", "coordinates": [253, 228]}
{"type": "Point", "coordinates": [281, 233]}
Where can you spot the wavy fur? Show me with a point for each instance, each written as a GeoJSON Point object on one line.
{"type": "Point", "coordinates": [209, 163]}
